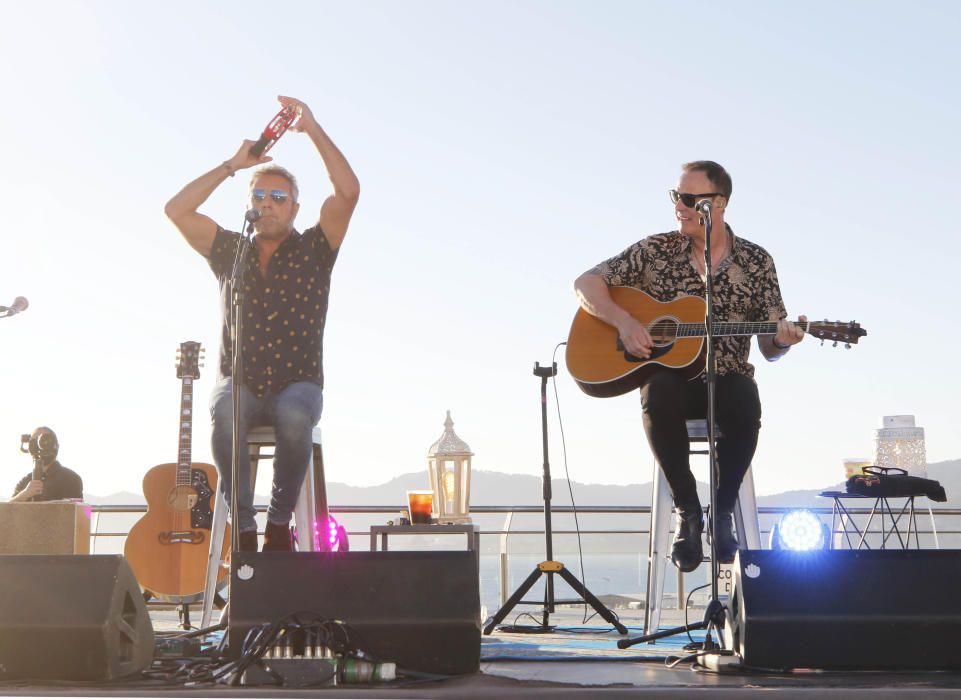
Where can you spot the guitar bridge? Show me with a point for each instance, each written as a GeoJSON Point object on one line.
{"type": "Point", "coordinates": [180, 537]}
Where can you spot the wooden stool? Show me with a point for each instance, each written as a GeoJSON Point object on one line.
{"type": "Point", "coordinates": [659, 550]}
{"type": "Point", "coordinates": [311, 508]}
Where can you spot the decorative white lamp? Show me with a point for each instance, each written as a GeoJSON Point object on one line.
{"type": "Point", "coordinates": [899, 443]}
{"type": "Point", "coordinates": [448, 463]}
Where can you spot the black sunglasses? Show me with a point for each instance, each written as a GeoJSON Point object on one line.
{"type": "Point", "coordinates": [258, 195]}
{"type": "Point", "coordinates": [688, 199]}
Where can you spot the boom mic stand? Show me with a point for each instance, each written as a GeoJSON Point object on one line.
{"type": "Point", "coordinates": [550, 568]}
{"type": "Point", "coordinates": [715, 613]}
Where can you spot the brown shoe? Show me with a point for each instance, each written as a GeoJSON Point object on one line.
{"type": "Point", "coordinates": [277, 538]}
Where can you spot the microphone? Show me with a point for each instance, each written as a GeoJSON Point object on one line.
{"type": "Point", "coordinates": [250, 217]}
{"type": "Point", "coordinates": [704, 207]}
{"type": "Point", "coordinates": [19, 304]}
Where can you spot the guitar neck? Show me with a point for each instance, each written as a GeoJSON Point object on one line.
{"type": "Point", "coordinates": [722, 328]}
{"type": "Point", "coordinates": [186, 431]}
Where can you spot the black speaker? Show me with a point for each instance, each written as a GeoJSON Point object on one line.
{"type": "Point", "coordinates": [71, 617]}
{"type": "Point", "coordinates": [420, 610]}
{"type": "Point", "coordinates": [847, 609]}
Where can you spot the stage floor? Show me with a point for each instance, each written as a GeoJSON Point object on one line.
{"type": "Point", "coordinates": [575, 661]}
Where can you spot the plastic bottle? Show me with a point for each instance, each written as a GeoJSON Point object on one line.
{"type": "Point", "coordinates": [361, 671]}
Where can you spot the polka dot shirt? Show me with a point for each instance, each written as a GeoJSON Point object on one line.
{"type": "Point", "coordinates": [284, 311]}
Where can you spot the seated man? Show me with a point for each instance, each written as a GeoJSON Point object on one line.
{"type": "Point", "coordinates": [287, 284]}
{"type": "Point", "coordinates": [56, 482]}
{"type": "Point", "coordinates": [667, 266]}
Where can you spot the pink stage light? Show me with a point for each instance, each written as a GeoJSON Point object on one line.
{"type": "Point", "coordinates": [335, 534]}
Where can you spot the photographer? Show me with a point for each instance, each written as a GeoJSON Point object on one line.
{"type": "Point", "coordinates": [50, 480]}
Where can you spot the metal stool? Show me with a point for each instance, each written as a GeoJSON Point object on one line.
{"type": "Point", "coordinates": [311, 508]}
{"type": "Point", "coordinates": [659, 551]}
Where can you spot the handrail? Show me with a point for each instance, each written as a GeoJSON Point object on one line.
{"type": "Point", "coordinates": [762, 510]}
{"type": "Point", "coordinates": [505, 532]}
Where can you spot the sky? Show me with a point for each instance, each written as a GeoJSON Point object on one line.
{"type": "Point", "coordinates": [503, 148]}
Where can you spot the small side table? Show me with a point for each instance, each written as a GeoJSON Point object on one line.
{"type": "Point", "coordinates": [881, 506]}
{"type": "Point", "coordinates": [471, 530]}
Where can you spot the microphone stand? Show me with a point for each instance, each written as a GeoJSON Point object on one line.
{"type": "Point", "coordinates": [715, 613]}
{"type": "Point", "coordinates": [549, 568]}
{"type": "Point", "coordinates": [236, 370]}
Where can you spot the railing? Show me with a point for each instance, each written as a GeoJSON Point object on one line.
{"type": "Point", "coordinates": [946, 534]}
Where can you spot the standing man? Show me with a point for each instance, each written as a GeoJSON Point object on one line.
{"type": "Point", "coordinates": [286, 286]}
{"type": "Point", "coordinates": [668, 265]}
{"type": "Point", "coordinates": [56, 482]}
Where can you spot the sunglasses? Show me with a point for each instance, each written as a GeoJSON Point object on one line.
{"type": "Point", "coordinates": [259, 195]}
{"type": "Point", "coordinates": [688, 199]}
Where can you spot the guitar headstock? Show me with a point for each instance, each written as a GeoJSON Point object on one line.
{"type": "Point", "coordinates": [836, 331]}
{"type": "Point", "coordinates": [190, 358]}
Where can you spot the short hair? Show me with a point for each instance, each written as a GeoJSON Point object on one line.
{"type": "Point", "coordinates": [277, 170]}
{"type": "Point", "coordinates": [715, 172]}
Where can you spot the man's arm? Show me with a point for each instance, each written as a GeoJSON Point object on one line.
{"type": "Point", "coordinates": [595, 299]}
{"type": "Point", "coordinates": [775, 346]}
{"type": "Point", "coordinates": [33, 488]}
{"type": "Point", "coordinates": [339, 207]}
{"type": "Point", "coordinates": [199, 230]}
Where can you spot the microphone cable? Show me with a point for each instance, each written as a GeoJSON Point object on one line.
{"type": "Point", "coordinates": [570, 487]}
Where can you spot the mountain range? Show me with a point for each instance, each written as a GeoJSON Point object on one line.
{"type": "Point", "coordinates": [490, 488]}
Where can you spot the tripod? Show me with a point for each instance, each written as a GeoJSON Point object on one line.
{"type": "Point", "coordinates": [715, 613]}
{"type": "Point", "coordinates": [549, 568]}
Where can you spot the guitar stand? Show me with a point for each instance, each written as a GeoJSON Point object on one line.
{"type": "Point", "coordinates": [183, 611]}
{"type": "Point", "coordinates": [549, 568]}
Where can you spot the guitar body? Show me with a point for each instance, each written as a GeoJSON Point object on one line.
{"type": "Point", "coordinates": [169, 546]}
{"type": "Point", "coordinates": [598, 362]}
{"type": "Point", "coordinates": [601, 367]}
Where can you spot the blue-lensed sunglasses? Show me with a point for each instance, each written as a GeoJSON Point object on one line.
{"type": "Point", "coordinates": [259, 194]}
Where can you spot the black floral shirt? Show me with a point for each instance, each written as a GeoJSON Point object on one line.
{"type": "Point", "coordinates": [745, 285]}
{"type": "Point", "coordinates": [284, 312]}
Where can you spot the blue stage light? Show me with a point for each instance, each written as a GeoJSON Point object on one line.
{"type": "Point", "coordinates": [799, 531]}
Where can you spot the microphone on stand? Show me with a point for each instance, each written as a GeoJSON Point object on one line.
{"type": "Point", "coordinates": [250, 217]}
{"type": "Point", "coordinates": [705, 208]}
{"type": "Point", "coordinates": [19, 304]}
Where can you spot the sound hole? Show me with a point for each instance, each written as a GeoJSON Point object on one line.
{"type": "Point", "coordinates": [182, 498]}
{"type": "Point", "coordinates": [663, 331]}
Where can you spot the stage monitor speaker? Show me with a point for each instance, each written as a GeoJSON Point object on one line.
{"type": "Point", "coordinates": [420, 610]}
{"type": "Point", "coordinates": [71, 617]}
{"type": "Point", "coordinates": [847, 609]}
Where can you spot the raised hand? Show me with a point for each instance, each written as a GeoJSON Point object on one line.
{"type": "Point", "coordinates": [305, 118]}
{"type": "Point", "coordinates": [243, 158]}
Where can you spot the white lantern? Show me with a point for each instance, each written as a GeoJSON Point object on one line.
{"type": "Point", "coordinates": [448, 463]}
{"type": "Point", "coordinates": [899, 443]}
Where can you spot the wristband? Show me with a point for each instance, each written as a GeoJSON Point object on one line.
{"type": "Point", "coordinates": [778, 345]}
{"type": "Point", "coordinates": [230, 170]}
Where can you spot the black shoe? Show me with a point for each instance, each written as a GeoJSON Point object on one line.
{"type": "Point", "coordinates": [726, 542]}
{"type": "Point", "coordinates": [248, 541]}
{"type": "Point", "coordinates": [686, 552]}
{"type": "Point", "coordinates": [277, 538]}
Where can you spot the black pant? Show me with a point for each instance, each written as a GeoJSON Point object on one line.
{"type": "Point", "coordinates": [669, 400]}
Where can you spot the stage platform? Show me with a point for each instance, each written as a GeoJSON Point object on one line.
{"type": "Point", "coordinates": [576, 660]}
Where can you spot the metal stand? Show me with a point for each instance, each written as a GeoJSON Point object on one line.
{"type": "Point", "coordinates": [550, 568]}
{"type": "Point", "coordinates": [715, 613]}
{"type": "Point", "coordinates": [236, 364]}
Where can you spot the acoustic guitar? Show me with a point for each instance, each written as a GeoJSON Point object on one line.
{"type": "Point", "coordinates": [168, 547]}
{"type": "Point", "coordinates": [600, 365]}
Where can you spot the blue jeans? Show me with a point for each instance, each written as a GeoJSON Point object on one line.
{"type": "Point", "coordinates": [293, 412]}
